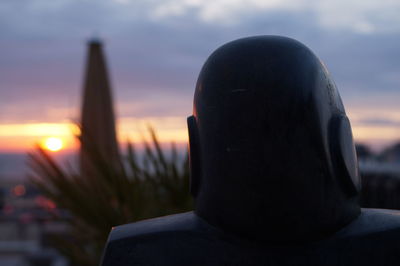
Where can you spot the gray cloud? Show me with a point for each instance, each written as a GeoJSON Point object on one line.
{"type": "Point", "coordinates": [378, 122]}
{"type": "Point", "coordinates": [156, 60]}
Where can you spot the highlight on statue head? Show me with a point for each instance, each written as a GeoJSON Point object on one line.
{"type": "Point", "coordinates": [271, 149]}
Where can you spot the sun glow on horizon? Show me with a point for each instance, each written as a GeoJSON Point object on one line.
{"type": "Point", "coordinates": [377, 127]}
{"type": "Point", "coordinates": [53, 144]}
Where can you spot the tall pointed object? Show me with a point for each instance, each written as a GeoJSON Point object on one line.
{"type": "Point", "coordinates": [98, 134]}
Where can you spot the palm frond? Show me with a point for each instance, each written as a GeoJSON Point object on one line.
{"type": "Point", "coordinates": [136, 190]}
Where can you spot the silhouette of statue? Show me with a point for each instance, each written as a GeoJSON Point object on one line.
{"type": "Point", "coordinates": [274, 172]}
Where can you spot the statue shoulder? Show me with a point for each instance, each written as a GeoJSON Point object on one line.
{"type": "Point", "coordinates": [136, 243]}
{"type": "Point", "coordinates": [177, 222]}
{"type": "Point", "coordinates": [372, 221]}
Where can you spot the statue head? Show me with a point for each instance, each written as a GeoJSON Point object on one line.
{"type": "Point", "coordinates": [271, 149]}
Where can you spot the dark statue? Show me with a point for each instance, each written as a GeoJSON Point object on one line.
{"type": "Point", "coordinates": [274, 172]}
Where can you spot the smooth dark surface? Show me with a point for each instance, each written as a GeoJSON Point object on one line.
{"type": "Point", "coordinates": [274, 172]}
{"type": "Point", "coordinates": [185, 239]}
{"type": "Point", "coordinates": [272, 152]}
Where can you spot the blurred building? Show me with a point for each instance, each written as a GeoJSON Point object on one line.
{"type": "Point", "coordinates": [98, 134]}
{"type": "Point", "coordinates": [380, 176]}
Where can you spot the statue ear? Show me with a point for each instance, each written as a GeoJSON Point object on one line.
{"type": "Point", "coordinates": [194, 156]}
{"type": "Point", "coordinates": [343, 154]}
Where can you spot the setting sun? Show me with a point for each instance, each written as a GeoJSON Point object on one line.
{"type": "Point", "coordinates": [53, 144]}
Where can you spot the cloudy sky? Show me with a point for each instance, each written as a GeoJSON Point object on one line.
{"type": "Point", "coordinates": [155, 49]}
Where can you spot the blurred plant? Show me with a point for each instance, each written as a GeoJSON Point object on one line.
{"type": "Point", "coordinates": [154, 184]}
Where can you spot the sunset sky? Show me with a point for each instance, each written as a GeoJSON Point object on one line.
{"type": "Point", "coordinates": [155, 50]}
